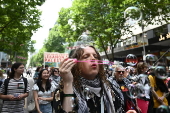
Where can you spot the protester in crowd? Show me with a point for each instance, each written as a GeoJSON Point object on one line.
{"type": "Point", "coordinates": [14, 90]}
{"type": "Point", "coordinates": [42, 66]}
{"type": "Point", "coordinates": [132, 73]}
{"type": "Point", "coordinates": [119, 77]}
{"type": "Point", "coordinates": [43, 92]}
{"type": "Point", "coordinates": [47, 67]}
{"type": "Point", "coordinates": [108, 71]}
{"type": "Point", "coordinates": [150, 72]}
{"type": "Point", "coordinates": [55, 77]}
{"type": "Point", "coordinates": [37, 71]}
{"type": "Point", "coordinates": [29, 72]}
{"type": "Point", "coordinates": [51, 69]}
{"type": "Point", "coordinates": [144, 99]}
{"type": "Point", "coordinates": [2, 78]}
{"type": "Point", "coordinates": [84, 85]}
{"type": "Point", "coordinates": [167, 71]}
{"type": "Point", "coordinates": [158, 87]}
{"type": "Point", "coordinates": [168, 97]}
{"type": "Point", "coordinates": [8, 70]}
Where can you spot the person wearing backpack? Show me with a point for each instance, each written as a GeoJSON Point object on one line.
{"type": "Point", "coordinates": [14, 90]}
{"type": "Point", "coordinates": [2, 78]}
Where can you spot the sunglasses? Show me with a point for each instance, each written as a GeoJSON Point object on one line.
{"type": "Point", "coordinates": [120, 72]}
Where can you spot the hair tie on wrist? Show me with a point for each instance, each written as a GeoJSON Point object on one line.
{"type": "Point", "coordinates": [69, 95]}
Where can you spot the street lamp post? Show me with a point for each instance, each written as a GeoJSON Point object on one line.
{"type": "Point", "coordinates": [144, 51]}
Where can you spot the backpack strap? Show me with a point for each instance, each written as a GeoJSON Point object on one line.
{"type": "Point", "coordinates": [6, 85]}
{"type": "Point", "coordinates": [25, 84]}
{"type": "Point", "coordinates": [1, 82]}
{"type": "Point", "coordinates": [6, 82]}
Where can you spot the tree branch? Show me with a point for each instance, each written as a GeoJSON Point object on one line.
{"type": "Point", "coordinates": [5, 26]}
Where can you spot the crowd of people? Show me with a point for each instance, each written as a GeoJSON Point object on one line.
{"type": "Point", "coordinates": [82, 84]}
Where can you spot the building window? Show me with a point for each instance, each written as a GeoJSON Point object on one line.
{"type": "Point", "coordinates": [128, 41]}
{"type": "Point", "coordinates": [124, 43]}
{"type": "Point", "coordinates": [119, 44]}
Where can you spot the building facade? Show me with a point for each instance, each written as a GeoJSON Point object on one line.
{"type": "Point", "coordinates": [4, 60]}
{"type": "Point", "coordinates": [154, 39]}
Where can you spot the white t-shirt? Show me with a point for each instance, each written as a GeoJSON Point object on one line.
{"type": "Point", "coordinates": [46, 94]}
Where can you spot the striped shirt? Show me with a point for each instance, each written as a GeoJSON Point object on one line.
{"type": "Point", "coordinates": [15, 87]}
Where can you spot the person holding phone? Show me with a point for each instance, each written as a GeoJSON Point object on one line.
{"type": "Point", "coordinates": [14, 95]}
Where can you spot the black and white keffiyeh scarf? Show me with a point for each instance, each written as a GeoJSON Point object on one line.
{"type": "Point", "coordinates": [56, 78]}
{"type": "Point", "coordinates": [93, 83]}
{"type": "Point", "coordinates": [94, 87]}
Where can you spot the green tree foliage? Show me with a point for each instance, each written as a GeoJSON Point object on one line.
{"type": "Point", "coordinates": [54, 42]}
{"type": "Point", "coordinates": [66, 26]}
{"type": "Point", "coordinates": [38, 59]}
{"type": "Point", "coordinates": [105, 19]}
{"type": "Point", "coordinates": [19, 19]}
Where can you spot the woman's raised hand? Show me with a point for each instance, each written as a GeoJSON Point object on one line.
{"type": "Point", "coordinates": [65, 70]}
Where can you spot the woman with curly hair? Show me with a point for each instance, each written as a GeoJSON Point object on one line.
{"type": "Point", "coordinates": [84, 85]}
{"type": "Point", "coordinates": [144, 99]}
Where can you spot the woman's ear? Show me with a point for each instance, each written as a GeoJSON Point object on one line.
{"type": "Point", "coordinates": [15, 69]}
